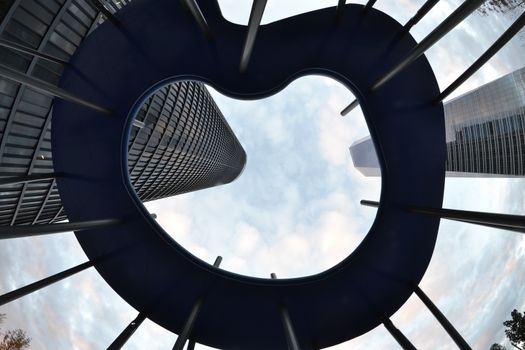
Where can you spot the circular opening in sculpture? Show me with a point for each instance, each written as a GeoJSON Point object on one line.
{"type": "Point", "coordinates": [278, 180]}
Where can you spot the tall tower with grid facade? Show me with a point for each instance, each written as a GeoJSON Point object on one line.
{"type": "Point", "coordinates": [485, 132]}
{"type": "Point", "coordinates": [180, 141]}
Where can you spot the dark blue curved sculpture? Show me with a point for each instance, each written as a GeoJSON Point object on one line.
{"type": "Point", "coordinates": [159, 42]}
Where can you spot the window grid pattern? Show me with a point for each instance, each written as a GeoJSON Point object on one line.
{"type": "Point", "coordinates": [485, 128]}
{"type": "Point", "coordinates": [185, 145]}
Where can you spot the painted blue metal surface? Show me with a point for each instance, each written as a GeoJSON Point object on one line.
{"type": "Point", "coordinates": [159, 42]}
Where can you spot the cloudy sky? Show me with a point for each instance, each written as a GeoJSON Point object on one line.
{"type": "Point", "coordinates": [295, 211]}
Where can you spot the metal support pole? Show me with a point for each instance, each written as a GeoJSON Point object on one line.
{"type": "Point", "coordinates": [487, 55]}
{"type": "Point", "coordinates": [188, 326]}
{"type": "Point", "coordinates": [369, 5]}
{"type": "Point", "coordinates": [185, 333]}
{"type": "Point", "coordinates": [291, 339]}
{"type": "Point", "coordinates": [196, 12]}
{"type": "Point", "coordinates": [103, 9]}
{"type": "Point", "coordinates": [218, 261]}
{"type": "Point", "coordinates": [31, 51]}
{"type": "Point", "coordinates": [350, 107]}
{"type": "Point", "coordinates": [33, 287]}
{"type": "Point", "coordinates": [191, 345]}
{"type": "Point", "coordinates": [253, 26]}
{"type": "Point", "coordinates": [504, 221]}
{"type": "Point", "coordinates": [398, 336]}
{"type": "Point", "coordinates": [48, 89]}
{"type": "Point", "coordinates": [369, 203]}
{"type": "Point", "coordinates": [27, 178]}
{"type": "Point", "coordinates": [339, 8]}
{"type": "Point", "coordinates": [454, 334]}
{"type": "Point", "coordinates": [36, 230]}
{"type": "Point", "coordinates": [127, 332]}
{"type": "Point", "coordinates": [464, 10]}
{"type": "Point", "coordinates": [427, 6]}
{"type": "Point", "coordinates": [501, 221]}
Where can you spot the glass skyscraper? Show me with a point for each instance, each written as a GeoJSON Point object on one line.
{"type": "Point", "coordinates": [485, 132]}
{"type": "Point", "coordinates": [180, 141]}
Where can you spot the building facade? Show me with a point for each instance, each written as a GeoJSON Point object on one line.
{"type": "Point", "coordinates": [485, 132]}
{"type": "Point", "coordinates": [180, 142]}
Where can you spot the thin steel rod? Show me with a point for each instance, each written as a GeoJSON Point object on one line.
{"type": "Point", "coordinates": [47, 88]}
{"type": "Point", "coordinates": [196, 12]}
{"type": "Point", "coordinates": [27, 178]}
{"type": "Point", "coordinates": [340, 6]}
{"type": "Point", "coordinates": [369, 5]}
{"type": "Point", "coordinates": [501, 221]}
{"type": "Point", "coordinates": [188, 326]}
{"type": "Point", "coordinates": [31, 51]}
{"type": "Point", "coordinates": [127, 332]}
{"type": "Point", "coordinates": [398, 336]}
{"type": "Point", "coordinates": [487, 55]}
{"type": "Point", "coordinates": [440, 31]}
{"type": "Point", "coordinates": [191, 345]}
{"type": "Point", "coordinates": [369, 203]}
{"type": "Point", "coordinates": [350, 107]}
{"type": "Point", "coordinates": [454, 334]}
{"type": "Point", "coordinates": [36, 230]}
{"type": "Point", "coordinates": [30, 288]}
{"type": "Point", "coordinates": [253, 26]}
{"type": "Point", "coordinates": [107, 13]}
{"type": "Point", "coordinates": [291, 339]}
{"type": "Point", "coordinates": [515, 222]}
{"type": "Point", "coordinates": [500, 227]}
{"type": "Point", "coordinates": [427, 6]}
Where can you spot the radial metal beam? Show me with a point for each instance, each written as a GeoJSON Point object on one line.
{"type": "Point", "coordinates": [350, 107]}
{"type": "Point", "coordinates": [398, 336]}
{"type": "Point", "coordinates": [369, 203]}
{"type": "Point", "coordinates": [253, 26]}
{"type": "Point", "coordinates": [107, 13]}
{"type": "Point", "coordinates": [188, 326]}
{"type": "Point", "coordinates": [369, 5]}
{"type": "Point", "coordinates": [501, 221]}
{"type": "Point", "coordinates": [427, 6]}
{"type": "Point", "coordinates": [30, 51]}
{"type": "Point", "coordinates": [340, 6]}
{"type": "Point", "coordinates": [464, 10]}
{"type": "Point", "coordinates": [487, 55]}
{"type": "Point", "coordinates": [27, 178]}
{"type": "Point", "coordinates": [504, 221]}
{"type": "Point", "coordinates": [48, 89]}
{"type": "Point", "coordinates": [454, 334]}
{"type": "Point", "coordinates": [37, 230]}
{"type": "Point", "coordinates": [127, 332]}
{"type": "Point", "coordinates": [196, 12]}
{"type": "Point", "coordinates": [217, 261]}
{"type": "Point", "coordinates": [30, 288]}
{"type": "Point", "coordinates": [291, 339]}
